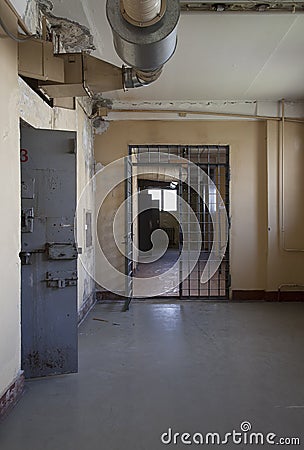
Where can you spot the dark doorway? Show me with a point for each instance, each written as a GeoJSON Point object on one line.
{"type": "Point", "coordinates": [160, 198]}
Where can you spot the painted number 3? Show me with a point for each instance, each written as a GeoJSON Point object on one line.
{"type": "Point", "coordinates": [24, 155]}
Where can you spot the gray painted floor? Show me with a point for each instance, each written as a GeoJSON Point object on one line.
{"type": "Point", "coordinates": [195, 367]}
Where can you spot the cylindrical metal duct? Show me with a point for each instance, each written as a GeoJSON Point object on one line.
{"type": "Point", "coordinates": [141, 11]}
{"type": "Point", "coordinates": [133, 78]}
{"type": "Point", "coordinates": [144, 48]}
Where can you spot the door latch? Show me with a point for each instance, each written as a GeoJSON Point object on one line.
{"type": "Point", "coordinates": [25, 258]}
{"type": "Point", "coordinates": [61, 279]}
{"type": "Point", "coordinates": [27, 220]}
{"type": "Point", "coordinates": [62, 251]}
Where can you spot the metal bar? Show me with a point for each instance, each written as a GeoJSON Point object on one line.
{"type": "Point", "coordinates": [180, 244]}
{"type": "Point", "coordinates": [199, 220]}
{"type": "Point", "coordinates": [227, 202]}
{"type": "Point", "coordinates": [184, 113]}
{"type": "Point", "coordinates": [188, 228]}
{"type": "Point", "coordinates": [219, 228]}
{"type": "Point", "coordinates": [158, 163]}
{"type": "Point", "coordinates": [208, 216]}
{"type": "Point", "coordinates": [129, 232]}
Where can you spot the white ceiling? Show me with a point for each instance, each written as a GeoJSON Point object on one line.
{"type": "Point", "coordinates": [219, 56]}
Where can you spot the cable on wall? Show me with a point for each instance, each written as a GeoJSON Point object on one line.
{"type": "Point", "coordinates": [18, 39]}
{"type": "Point", "coordinates": [281, 187]}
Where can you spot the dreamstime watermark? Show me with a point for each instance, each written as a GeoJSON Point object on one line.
{"type": "Point", "coordinates": [157, 166]}
{"type": "Point", "coordinates": [243, 436]}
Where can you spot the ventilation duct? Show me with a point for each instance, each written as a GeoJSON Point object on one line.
{"type": "Point", "coordinates": [144, 35]}
{"type": "Point", "coordinates": [141, 11]}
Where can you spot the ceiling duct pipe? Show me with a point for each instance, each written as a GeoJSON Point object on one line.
{"type": "Point", "coordinates": [144, 35]}
{"type": "Point", "coordinates": [141, 12]}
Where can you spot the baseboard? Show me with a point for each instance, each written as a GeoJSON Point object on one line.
{"type": "Point", "coordinates": [12, 395]}
{"type": "Point", "coordinates": [268, 296]}
{"type": "Point", "coordinates": [108, 295]}
{"type": "Point", "coordinates": [237, 295]}
{"type": "Point", "coordinates": [86, 307]}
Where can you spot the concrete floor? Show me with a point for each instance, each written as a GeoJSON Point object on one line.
{"type": "Point", "coordinates": [191, 286]}
{"type": "Point", "coordinates": [195, 367]}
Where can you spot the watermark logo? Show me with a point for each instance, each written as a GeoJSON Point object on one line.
{"type": "Point", "coordinates": [124, 173]}
{"type": "Point", "coordinates": [243, 436]}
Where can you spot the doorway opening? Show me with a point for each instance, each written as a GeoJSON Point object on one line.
{"type": "Point", "coordinates": [159, 199]}
{"type": "Point", "coordinates": [162, 197]}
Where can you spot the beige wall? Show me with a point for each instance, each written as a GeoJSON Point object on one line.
{"type": "Point", "coordinates": [106, 238]}
{"type": "Point", "coordinates": [10, 208]}
{"type": "Point", "coordinates": [285, 266]}
{"type": "Point", "coordinates": [85, 167]}
{"type": "Point", "coordinates": [256, 261]}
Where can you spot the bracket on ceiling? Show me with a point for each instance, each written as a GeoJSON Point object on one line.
{"type": "Point", "coordinates": [66, 75]}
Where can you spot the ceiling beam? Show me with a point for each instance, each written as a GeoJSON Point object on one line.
{"type": "Point", "coordinates": [252, 7]}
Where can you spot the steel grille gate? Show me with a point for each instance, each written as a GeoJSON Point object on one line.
{"type": "Point", "coordinates": [214, 161]}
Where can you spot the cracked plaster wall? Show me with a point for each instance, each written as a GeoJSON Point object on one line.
{"type": "Point", "coordinates": [74, 37]}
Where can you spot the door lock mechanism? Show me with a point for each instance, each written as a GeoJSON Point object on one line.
{"type": "Point", "coordinates": [25, 258]}
{"type": "Point", "coordinates": [27, 220]}
{"type": "Point", "coordinates": [61, 279]}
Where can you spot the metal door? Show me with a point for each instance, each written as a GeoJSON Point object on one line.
{"type": "Point", "coordinates": [214, 161]}
{"type": "Point", "coordinates": [48, 254]}
{"type": "Point", "coordinates": [129, 232]}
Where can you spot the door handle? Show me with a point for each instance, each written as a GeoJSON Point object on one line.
{"type": "Point", "coordinates": [25, 258]}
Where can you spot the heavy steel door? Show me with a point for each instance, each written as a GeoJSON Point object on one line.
{"type": "Point", "coordinates": [48, 254]}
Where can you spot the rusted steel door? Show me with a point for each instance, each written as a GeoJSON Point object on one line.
{"type": "Point", "coordinates": [48, 254]}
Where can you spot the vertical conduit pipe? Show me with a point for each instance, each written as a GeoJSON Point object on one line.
{"type": "Point", "coordinates": [281, 185]}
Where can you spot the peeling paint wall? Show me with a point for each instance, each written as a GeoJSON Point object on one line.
{"type": "Point", "coordinates": [31, 17]}
{"type": "Point", "coordinates": [74, 37]}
